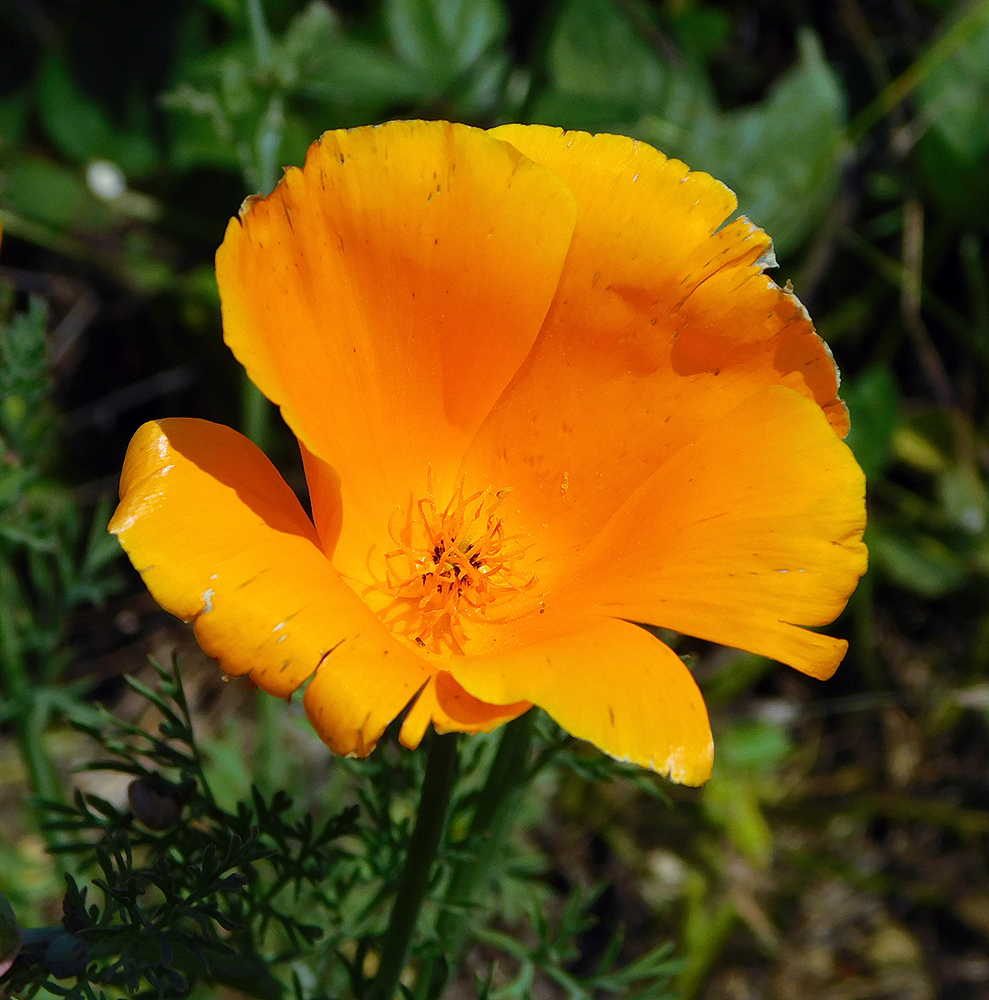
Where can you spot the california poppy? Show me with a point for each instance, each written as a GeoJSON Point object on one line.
{"type": "Point", "coordinates": [542, 392]}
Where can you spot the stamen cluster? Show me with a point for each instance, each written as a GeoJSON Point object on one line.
{"type": "Point", "coordinates": [451, 565]}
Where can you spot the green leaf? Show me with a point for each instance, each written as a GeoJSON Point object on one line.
{"type": "Point", "coordinates": [749, 755]}
{"type": "Point", "coordinates": [782, 157]}
{"type": "Point", "coordinates": [76, 124]}
{"type": "Point", "coordinates": [444, 38]}
{"type": "Point", "coordinates": [734, 803]}
{"type": "Point", "coordinates": [916, 562]}
{"type": "Point", "coordinates": [595, 52]}
{"type": "Point", "coordinates": [79, 127]}
{"type": "Point", "coordinates": [701, 30]}
{"type": "Point", "coordinates": [953, 97]}
{"type": "Point", "coordinates": [232, 10]}
{"type": "Point", "coordinates": [50, 192]}
{"type": "Point", "coordinates": [579, 111]}
{"type": "Point", "coordinates": [480, 93]}
{"type": "Point", "coordinates": [874, 406]}
{"type": "Point", "coordinates": [310, 34]}
{"type": "Point", "coordinates": [605, 78]}
{"type": "Point", "coordinates": [11, 935]}
{"type": "Point", "coordinates": [350, 72]}
{"type": "Point", "coordinates": [221, 109]}
{"type": "Point", "coordinates": [753, 747]}
{"type": "Point", "coordinates": [958, 185]}
{"type": "Point", "coordinates": [202, 133]}
{"type": "Point", "coordinates": [963, 498]}
{"type": "Point", "coordinates": [13, 116]}
{"type": "Point", "coordinates": [26, 418]}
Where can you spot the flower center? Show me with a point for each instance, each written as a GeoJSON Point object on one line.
{"type": "Point", "coordinates": [451, 567]}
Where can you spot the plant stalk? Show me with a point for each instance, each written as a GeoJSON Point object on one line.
{"type": "Point", "coordinates": [496, 808]}
{"type": "Point", "coordinates": [492, 820]}
{"type": "Point", "coordinates": [434, 801]}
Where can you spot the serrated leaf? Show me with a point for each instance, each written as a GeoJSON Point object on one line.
{"type": "Point", "coordinates": [27, 422]}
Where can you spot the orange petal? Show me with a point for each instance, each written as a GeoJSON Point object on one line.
{"type": "Point", "coordinates": [323, 482]}
{"type": "Point", "coordinates": [445, 704]}
{"type": "Point", "coordinates": [221, 540]}
{"type": "Point", "coordinates": [611, 683]}
{"type": "Point", "coordinates": [383, 297]}
{"type": "Point", "coordinates": [658, 308]}
{"type": "Point", "coordinates": [751, 531]}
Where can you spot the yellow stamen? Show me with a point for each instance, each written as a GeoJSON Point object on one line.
{"type": "Point", "coordinates": [452, 567]}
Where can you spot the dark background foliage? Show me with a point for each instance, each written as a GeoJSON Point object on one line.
{"type": "Point", "coordinates": [840, 850]}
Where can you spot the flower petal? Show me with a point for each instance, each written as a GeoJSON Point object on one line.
{"type": "Point", "coordinates": [221, 540]}
{"type": "Point", "coordinates": [445, 704]}
{"type": "Point", "coordinates": [612, 683]}
{"type": "Point", "coordinates": [663, 322]}
{"type": "Point", "coordinates": [384, 296]}
{"type": "Point", "coordinates": [751, 531]}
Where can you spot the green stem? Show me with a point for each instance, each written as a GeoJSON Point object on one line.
{"type": "Point", "coordinates": [255, 414]}
{"type": "Point", "coordinates": [496, 809]}
{"type": "Point", "coordinates": [268, 715]}
{"type": "Point", "coordinates": [863, 608]}
{"type": "Point", "coordinates": [260, 35]}
{"type": "Point", "coordinates": [434, 800]}
{"type": "Point", "coordinates": [489, 826]}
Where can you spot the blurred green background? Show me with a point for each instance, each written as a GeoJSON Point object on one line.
{"type": "Point", "coordinates": [841, 849]}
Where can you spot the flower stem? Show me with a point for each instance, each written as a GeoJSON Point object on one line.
{"type": "Point", "coordinates": [496, 808]}
{"type": "Point", "coordinates": [492, 820]}
{"type": "Point", "coordinates": [434, 800]}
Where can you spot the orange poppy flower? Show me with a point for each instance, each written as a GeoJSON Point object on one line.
{"type": "Point", "coordinates": [542, 391]}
